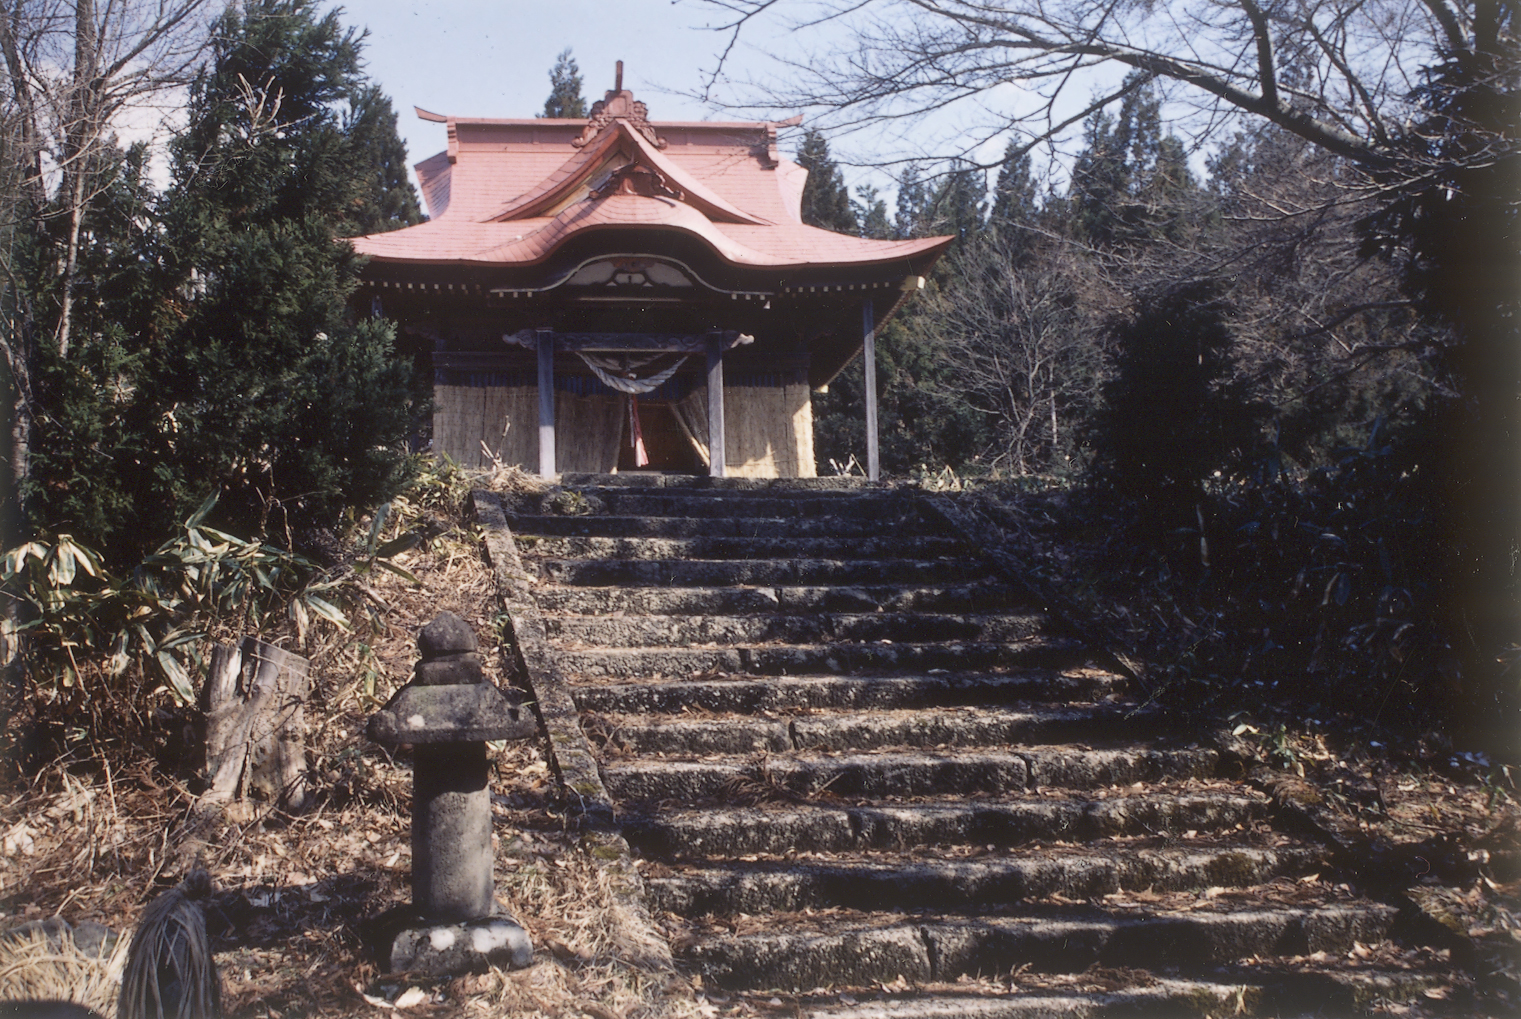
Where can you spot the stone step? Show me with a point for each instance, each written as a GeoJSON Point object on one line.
{"type": "Point", "coordinates": [796, 693]}
{"type": "Point", "coordinates": [676, 503]}
{"type": "Point", "coordinates": [983, 596]}
{"type": "Point", "coordinates": [745, 831]}
{"type": "Point", "coordinates": [794, 885]}
{"type": "Point", "coordinates": [884, 948]}
{"type": "Point", "coordinates": [760, 572]}
{"type": "Point", "coordinates": [923, 728]}
{"type": "Point", "coordinates": [768, 547]}
{"type": "Point", "coordinates": [794, 659]}
{"type": "Point", "coordinates": [900, 773]}
{"type": "Point", "coordinates": [810, 628]}
{"type": "Point", "coordinates": [600, 525]}
{"type": "Point", "coordinates": [1243, 992]}
{"type": "Point", "coordinates": [700, 483]}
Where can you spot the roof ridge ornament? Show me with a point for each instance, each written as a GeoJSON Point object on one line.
{"type": "Point", "coordinates": [618, 104]}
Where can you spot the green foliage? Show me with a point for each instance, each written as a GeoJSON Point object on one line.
{"type": "Point", "coordinates": [1128, 180]}
{"type": "Point", "coordinates": [1171, 416]}
{"type": "Point", "coordinates": [565, 99]}
{"type": "Point", "coordinates": [871, 213]}
{"type": "Point", "coordinates": [826, 199]}
{"type": "Point", "coordinates": [913, 210]}
{"type": "Point", "coordinates": [387, 200]}
{"type": "Point", "coordinates": [957, 207]}
{"type": "Point", "coordinates": [218, 352]}
{"type": "Point", "coordinates": [1454, 232]}
{"type": "Point", "coordinates": [1015, 201]}
{"type": "Point", "coordinates": [75, 611]}
{"type": "Point", "coordinates": [1327, 590]}
{"type": "Point", "coordinates": [922, 420]}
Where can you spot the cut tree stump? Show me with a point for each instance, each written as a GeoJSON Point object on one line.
{"type": "Point", "coordinates": [254, 703]}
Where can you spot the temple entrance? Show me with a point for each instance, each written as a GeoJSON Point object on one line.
{"type": "Point", "coordinates": [665, 444]}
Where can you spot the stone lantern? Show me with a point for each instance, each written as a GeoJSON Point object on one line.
{"type": "Point", "coordinates": [447, 714]}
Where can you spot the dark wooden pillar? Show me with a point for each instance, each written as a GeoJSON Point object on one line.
{"type": "Point", "coordinates": [546, 346]}
{"type": "Point", "coordinates": [869, 353]}
{"type": "Point", "coordinates": [715, 407]}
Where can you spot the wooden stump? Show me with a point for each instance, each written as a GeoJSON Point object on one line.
{"type": "Point", "coordinates": [254, 701]}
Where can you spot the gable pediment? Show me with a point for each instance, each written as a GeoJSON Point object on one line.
{"type": "Point", "coordinates": [618, 146]}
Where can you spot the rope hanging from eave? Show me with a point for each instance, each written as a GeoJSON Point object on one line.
{"type": "Point", "coordinates": [605, 367]}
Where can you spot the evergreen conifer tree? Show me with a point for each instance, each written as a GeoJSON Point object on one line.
{"type": "Point", "coordinates": [826, 199]}
{"type": "Point", "coordinates": [1015, 204]}
{"type": "Point", "coordinates": [388, 202]}
{"type": "Point", "coordinates": [237, 364]}
{"type": "Point", "coordinates": [565, 99]}
{"type": "Point", "coordinates": [1130, 183]}
{"type": "Point", "coordinates": [912, 214]}
{"type": "Point", "coordinates": [871, 214]}
{"type": "Point", "coordinates": [958, 205]}
{"type": "Point", "coordinates": [1172, 414]}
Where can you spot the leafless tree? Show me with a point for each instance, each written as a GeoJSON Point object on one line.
{"type": "Point", "coordinates": [71, 73]}
{"type": "Point", "coordinates": [1337, 73]}
{"type": "Point", "coordinates": [1022, 338]}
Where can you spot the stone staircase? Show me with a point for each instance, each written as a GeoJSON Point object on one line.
{"type": "Point", "coordinates": [851, 759]}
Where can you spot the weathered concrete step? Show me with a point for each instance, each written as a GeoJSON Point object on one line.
{"type": "Point", "coordinates": [795, 628]}
{"type": "Point", "coordinates": [792, 659]}
{"type": "Point", "coordinates": [900, 773]}
{"type": "Point", "coordinates": [944, 949]}
{"type": "Point", "coordinates": [741, 831]}
{"type": "Point", "coordinates": [982, 596]}
{"type": "Point", "coordinates": [957, 885]}
{"type": "Point", "coordinates": [769, 547]}
{"type": "Point", "coordinates": [1228, 991]}
{"type": "Point", "coordinates": [704, 483]}
{"type": "Point", "coordinates": [760, 572]}
{"type": "Point", "coordinates": [794, 693]}
{"type": "Point", "coordinates": [676, 503]}
{"type": "Point", "coordinates": [1165, 998]}
{"type": "Point", "coordinates": [914, 727]}
{"type": "Point", "coordinates": [901, 523]}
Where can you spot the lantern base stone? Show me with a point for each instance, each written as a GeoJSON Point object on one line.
{"type": "Point", "coordinates": [403, 942]}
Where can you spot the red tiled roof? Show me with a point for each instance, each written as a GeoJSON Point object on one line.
{"type": "Point", "coordinates": [510, 192]}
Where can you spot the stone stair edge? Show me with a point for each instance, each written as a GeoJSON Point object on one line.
{"type": "Point", "coordinates": [895, 947]}
{"type": "Point", "coordinates": [571, 760]}
{"type": "Point", "coordinates": [1250, 995]}
{"type": "Point", "coordinates": [698, 482]}
{"type": "Point", "coordinates": [744, 692]}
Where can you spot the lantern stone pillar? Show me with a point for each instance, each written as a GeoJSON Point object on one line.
{"type": "Point", "coordinates": [447, 714]}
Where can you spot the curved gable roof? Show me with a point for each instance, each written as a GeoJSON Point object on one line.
{"type": "Point", "coordinates": [511, 192]}
{"type": "Point", "coordinates": [619, 138]}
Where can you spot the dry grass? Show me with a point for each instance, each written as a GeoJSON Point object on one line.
{"type": "Point", "coordinates": [93, 837]}
{"type": "Point", "coordinates": [34, 967]}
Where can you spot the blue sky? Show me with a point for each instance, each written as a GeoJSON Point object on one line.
{"type": "Point", "coordinates": [485, 59]}
{"type": "Point", "coordinates": [492, 59]}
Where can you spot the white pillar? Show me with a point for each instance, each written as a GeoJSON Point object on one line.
{"type": "Point", "coordinates": [715, 407]}
{"type": "Point", "coordinates": [546, 345]}
{"type": "Point", "coordinates": [869, 344]}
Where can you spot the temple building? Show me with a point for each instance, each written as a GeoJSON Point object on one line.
{"type": "Point", "coordinates": [615, 294]}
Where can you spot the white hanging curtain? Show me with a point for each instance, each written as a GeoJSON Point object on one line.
{"type": "Point", "coordinates": [691, 416]}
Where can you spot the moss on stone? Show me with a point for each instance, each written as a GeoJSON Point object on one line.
{"type": "Point", "coordinates": [1234, 870]}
